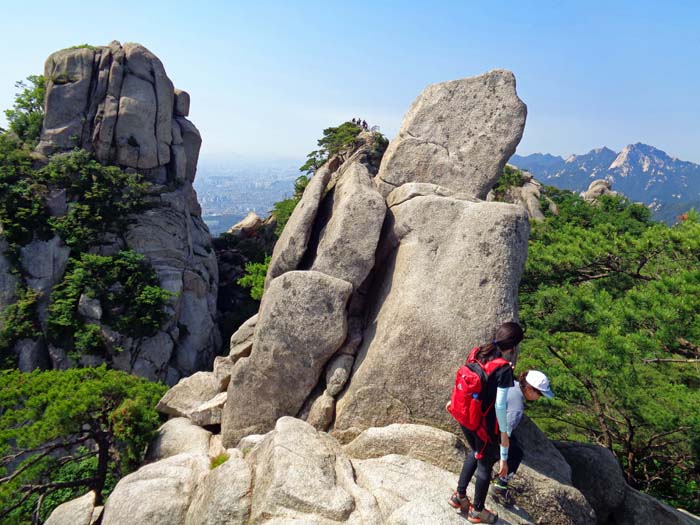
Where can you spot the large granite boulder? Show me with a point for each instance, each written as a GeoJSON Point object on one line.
{"type": "Point", "coordinates": [302, 322]}
{"type": "Point", "coordinates": [224, 495]}
{"type": "Point", "coordinates": [157, 493]}
{"type": "Point", "coordinates": [457, 134]}
{"type": "Point", "coordinates": [291, 246]}
{"type": "Point", "coordinates": [190, 394]}
{"type": "Point", "coordinates": [178, 436]}
{"type": "Point", "coordinates": [349, 238]}
{"type": "Point", "coordinates": [302, 474]}
{"type": "Point", "coordinates": [77, 511]}
{"type": "Point", "coordinates": [449, 277]}
{"type": "Point", "coordinates": [429, 444]}
{"type": "Point", "coordinates": [590, 463]}
{"type": "Point", "coordinates": [642, 508]}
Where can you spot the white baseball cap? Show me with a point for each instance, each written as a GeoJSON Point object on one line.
{"type": "Point", "coordinates": [539, 381]}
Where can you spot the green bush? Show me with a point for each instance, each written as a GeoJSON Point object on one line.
{"type": "Point", "coordinates": [126, 286]}
{"type": "Point", "coordinates": [219, 460]}
{"type": "Point", "coordinates": [511, 178]}
{"type": "Point", "coordinates": [254, 278]}
{"type": "Point", "coordinates": [19, 321]}
{"type": "Point", "coordinates": [101, 197]}
{"type": "Point", "coordinates": [27, 114]}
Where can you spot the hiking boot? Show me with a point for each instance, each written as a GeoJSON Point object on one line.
{"type": "Point", "coordinates": [482, 516]}
{"type": "Point", "coordinates": [460, 502]}
{"type": "Point", "coordinates": [501, 493]}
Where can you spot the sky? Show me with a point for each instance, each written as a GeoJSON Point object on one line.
{"type": "Point", "coordinates": [266, 77]}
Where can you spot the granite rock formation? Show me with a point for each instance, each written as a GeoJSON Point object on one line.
{"type": "Point", "coordinates": [118, 103]}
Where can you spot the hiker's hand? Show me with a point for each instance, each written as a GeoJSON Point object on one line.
{"type": "Point", "coordinates": [503, 469]}
{"type": "Point", "coordinates": [447, 406]}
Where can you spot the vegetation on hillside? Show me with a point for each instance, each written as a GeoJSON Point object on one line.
{"type": "Point", "coordinates": [333, 141]}
{"type": "Point", "coordinates": [611, 305]}
{"type": "Point", "coordinates": [63, 433]}
{"type": "Point", "coordinates": [126, 287]}
{"type": "Point", "coordinates": [27, 114]}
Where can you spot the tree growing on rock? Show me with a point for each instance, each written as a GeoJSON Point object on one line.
{"type": "Point", "coordinates": [27, 114]}
{"type": "Point", "coordinates": [63, 433]}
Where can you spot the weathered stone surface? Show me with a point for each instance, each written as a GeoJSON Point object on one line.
{"type": "Point", "coordinates": [157, 493]}
{"type": "Point", "coordinates": [596, 189]}
{"type": "Point", "coordinates": [182, 103]}
{"type": "Point", "coordinates": [301, 473]}
{"type": "Point", "coordinates": [224, 496]}
{"type": "Point", "coordinates": [642, 508]}
{"type": "Point", "coordinates": [117, 102]}
{"type": "Point", "coordinates": [422, 511]}
{"type": "Point", "coordinates": [250, 224]}
{"type": "Point", "coordinates": [77, 511]}
{"type": "Point", "coordinates": [177, 436]}
{"type": "Point", "coordinates": [241, 342]}
{"type": "Point", "coordinates": [411, 190]}
{"type": "Point", "coordinates": [31, 354]}
{"type": "Point", "coordinates": [248, 443]}
{"type": "Point", "coordinates": [542, 455]}
{"type": "Point", "coordinates": [8, 280]}
{"type": "Point", "coordinates": [457, 134]}
{"type": "Point", "coordinates": [291, 245]}
{"type": "Point", "coordinates": [89, 307]}
{"type": "Point", "coordinates": [434, 446]}
{"type": "Point", "coordinates": [44, 263]}
{"type": "Point", "coordinates": [209, 413]}
{"type": "Point", "coordinates": [338, 373]}
{"type": "Point", "coordinates": [589, 465]}
{"type": "Point", "coordinates": [451, 275]}
{"type": "Point", "coordinates": [223, 367]}
{"type": "Point", "coordinates": [302, 323]}
{"type": "Point", "coordinates": [68, 74]}
{"type": "Point", "coordinates": [550, 501]}
{"type": "Point", "coordinates": [244, 332]}
{"type": "Point", "coordinates": [396, 480]}
{"type": "Point", "coordinates": [322, 412]}
{"type": "Point", "coordinates": [349, 239]}
{"type": "Point", "coordinates": [189, 394]}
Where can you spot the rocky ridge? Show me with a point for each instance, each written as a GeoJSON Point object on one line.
{"type": "Point", "coordinates": [330, 405]}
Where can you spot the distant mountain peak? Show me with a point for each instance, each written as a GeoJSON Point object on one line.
{"type": "Point", "coordinates": [639, 171]}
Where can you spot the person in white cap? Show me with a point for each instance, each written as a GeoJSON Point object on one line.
{"type": "Point", "coordinates": [533, 384]}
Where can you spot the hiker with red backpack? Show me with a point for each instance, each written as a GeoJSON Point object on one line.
{"type": "Point", "coordinates": [479, 404]}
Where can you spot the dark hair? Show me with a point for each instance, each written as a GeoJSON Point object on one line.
{"type": "Point", "coordinates": [521, 379]}
{"type": "Point", "coordinates": [507, 336]}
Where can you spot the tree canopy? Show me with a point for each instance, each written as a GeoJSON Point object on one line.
{"type": "Point", "coordinates": [63, 433]}
{"type": "Point", "coordinates": [27, 114]}
{"type": "Point", "coordinates": [611, 305]}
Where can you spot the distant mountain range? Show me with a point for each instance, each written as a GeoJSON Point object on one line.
{"type": "Point", "coordinates": [643, 173]}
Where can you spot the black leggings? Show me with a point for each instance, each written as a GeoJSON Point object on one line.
{"type": "Point", "coordinates": [482, 467]}
{"type": "Point", "coordinates": [515, 456]}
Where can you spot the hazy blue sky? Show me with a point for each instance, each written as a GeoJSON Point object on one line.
{"type": "Point", "coordinates": [266, 77]}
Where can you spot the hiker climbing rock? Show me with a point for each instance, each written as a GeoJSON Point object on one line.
{"type": "Point", "coordinates": [479, 404]}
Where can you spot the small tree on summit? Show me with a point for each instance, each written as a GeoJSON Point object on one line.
{"type": "Point", "coordinates": [333, 141]}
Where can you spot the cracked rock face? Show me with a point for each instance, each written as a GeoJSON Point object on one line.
{"type": "Point", "coordinates": [458, 135]}
{"type": "Point", "coordinates": [118, 103]}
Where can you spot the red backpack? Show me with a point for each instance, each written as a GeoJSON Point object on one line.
{"type": "Point", "coordinates": [467, 395]}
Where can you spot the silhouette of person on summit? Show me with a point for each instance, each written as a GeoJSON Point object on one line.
{"type": "Point", "coordinates": [354, 121]}
{"type": "Point", "coordinates": [364, 124]}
